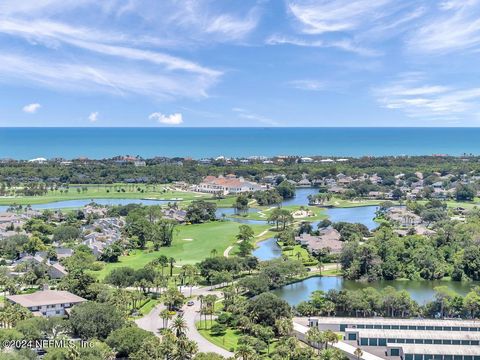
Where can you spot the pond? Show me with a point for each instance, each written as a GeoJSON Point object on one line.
{"type": "Point", "coordinates": [420, 290]}
{"type": "Point", "coordinates": [360, 214]}
{"type": "Point", "coordinates": [301, 196]}
{"type": "Point", "coordinates": [83, 202]}
{"type": "Point", "coordinates": [267, 250]}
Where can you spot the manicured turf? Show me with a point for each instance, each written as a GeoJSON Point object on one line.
{"type": "Point", "coordinates": [191, 244]}
{"type": "Point", "coordinates": [228, 341]}
{"type": "Point", "coordinates": [160, 192]}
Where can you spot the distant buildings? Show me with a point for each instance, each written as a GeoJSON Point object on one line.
{"type": "Point", "coordinates": [102, 233]}
{"type": "Point", "coordinates": [47, 302]}
{"type": "Point", "coordinates": [227, 185]}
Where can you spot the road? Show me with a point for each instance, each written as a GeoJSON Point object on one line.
{"type": "Point", "coordinates": [152, 321]}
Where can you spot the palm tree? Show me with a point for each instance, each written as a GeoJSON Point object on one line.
{"type": "Point", "coordinates": [358, 353]}
{"type": "Point", "coordinates": [284, 326]}
{"type": "Point", "coordinates": [171, 262]}
{"type": "Point", "coordinates": [179, 326]}
{"type": "Point", "coordinates": [330, 337]}
{"type": "Point", "coordinates": [315, 336]}
{"type": "Point", "coordinates": [245, 352]}
{"type": "Point", "coordinates": [165, 315]}
{"type": "Point", "coordinates": [201, 299]}
{"type": "Point", "coordinates": [185, 349]}
{"type": "Point", "coordinates": [210, 301]}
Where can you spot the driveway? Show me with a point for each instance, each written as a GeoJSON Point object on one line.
{"type": "Point", "coordinates": [152, 322]}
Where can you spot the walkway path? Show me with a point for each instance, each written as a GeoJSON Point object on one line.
{"type": "Point", "coordinates": [152, 321]}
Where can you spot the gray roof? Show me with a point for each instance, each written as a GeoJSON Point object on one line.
{"type": "Point", "coordinates": [46, 297]}
{"type": "Point", "coordinates": [416, 334]}
{"type": "Point", "coordinates": [387, 321]}
{"type": "Point", "coordinates": [437, 349]}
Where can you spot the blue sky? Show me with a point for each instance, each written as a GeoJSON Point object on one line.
{"type": "Point", "coordinates": [239, 63]}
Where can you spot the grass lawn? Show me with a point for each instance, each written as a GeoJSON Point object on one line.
{"type": "Point", "coordinates": [298, 253]}
{"type": "Point", "coordinates": [228, 341]}
{"type": "Point", "coordinates": [191, 244]}
{"type": "Point", "coordinates": [148, 306]}
{"type": "Point", "coordinates": [106, 191]}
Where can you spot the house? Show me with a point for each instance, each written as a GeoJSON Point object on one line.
{"type": "Point", "coordinates": [229, 184]}
{"type": "Point", "coordinates": [403, 216]}
{"type": "Point", "coordinates": [102, 233]}
{"type": "Point", "coordinates": [328, 239]}
{"type": "Point", "coordinates": [55, 270]}
{"type": "Point", "coordinates": [47, 302]}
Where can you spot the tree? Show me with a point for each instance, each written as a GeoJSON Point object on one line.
{"type": "Point", "coordinates": [173, 298]}
{"type": "Point", "coordinates": [95, 320]}
{"type": "Point", "coordinates": [121, 277]}
{"type": "Point", "coordinates": [266, 308]}
{"type": "Point", "coordinates": [179, 326]}
{"type": "Point", "coordinates": [79, 283]}
{"type": "Point", "coordinates": [286, 190]}
{"type": "Point", "coordinates": [127, 340]}
{"type": "Point", "coordinates": [218, 329]}
{"type": "Point", "coordinates": [200, 211]}
{"type": "Point", "coordinates": [65, 233]}
{"type": "Point", "coordinates": [283, 326]}
{"type": "Point", "coordinates": [245, 352]}
{"type": "Point", "coordinates": [280, 216]}
{"type": "Point", "coordinates": [111, 253]}
{"type": "Point", "coordinates": [358, 353]}
{"type": "Point", "coordinates": [165, 315]}
{"type": "Point", "coordinates": [464, 192]}
{"type": "Point", "coordinates": [241, 203]}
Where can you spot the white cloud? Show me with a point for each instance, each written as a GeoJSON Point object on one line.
{"type": "Point", "coordinates": [93, 117]}
{"type": "Point", "coordinates": [172, 119]}
{"type": "Point", "coordinates": [427, 101]}
{"type": "Point", "coordinates": [232, 27]}
{"type": "Point", "coordinates": [113, 78]}
{"type": "Point", "coordinates": [323, 16]}
{"type": "Point", "coordinates": [31, 108]}
{"type": "Point", "coordinates": [344, 44]}
{"type": "Point", "coordinates": [308, 84]}
{"type": "Point", "coordinates": [245, 114]}
{"type": "Point", "coordinates": [455, 27]}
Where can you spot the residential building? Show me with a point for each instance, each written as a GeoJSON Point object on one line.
{"type": "Point", "coordinates": [47, 302]}
{"type": "Point", "coordinates": [229, 184]}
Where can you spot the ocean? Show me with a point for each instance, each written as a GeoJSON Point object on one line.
{"type": "Point", "coordinates": [98, 143]}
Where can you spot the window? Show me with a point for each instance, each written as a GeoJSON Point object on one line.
{"type": "Point", "coordinates": [408, 356]}
{"type": "Point", "coordinates": [352, 336]}
{"type": "Point", "coordinates": [395, 352]}
{"type": "Point", "coordinates": [409, 341]}
{"type": "Point", "coordinates": [373, 342]}
{"type": "Point", "coordinates": [418, 357]}
{"type": "Point", "coordinates": [364, 341]}
{"type": "Point", "coordinates": [428, 341]}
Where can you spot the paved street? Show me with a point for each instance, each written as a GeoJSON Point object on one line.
{"type": "Point", "coordinates": [152, 322]}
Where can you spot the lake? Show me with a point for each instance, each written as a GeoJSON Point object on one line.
{"type": "Point", "coordinates": [420, 290]}
{"type": "Point", "coordinates": [360, 214]}
{"type": "Point", "coordinates": [267, 250]}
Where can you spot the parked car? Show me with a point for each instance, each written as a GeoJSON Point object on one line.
{"type": "Point", "coordinates": [190, 303]}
